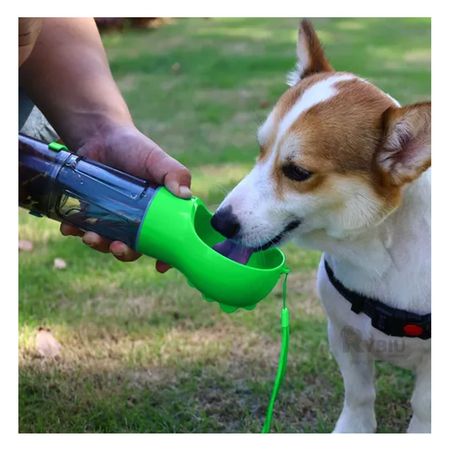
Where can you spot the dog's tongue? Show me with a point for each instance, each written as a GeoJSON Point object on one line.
{"type": "Point", "coordinates": [234, 251]}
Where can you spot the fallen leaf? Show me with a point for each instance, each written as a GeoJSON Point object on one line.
{"type": "Point", "coordinates": [46, 345]}
{"type": "Point", "coordinates": [59, 263]}
{"type": "Point", "coordinates": [25, 246]}
{"type": "Point", "coordinates": [176, 67]}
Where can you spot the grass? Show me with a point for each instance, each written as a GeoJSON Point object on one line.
{"type": "Point", "coordinates": [143, 352]}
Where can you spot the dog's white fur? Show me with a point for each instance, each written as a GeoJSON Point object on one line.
{"type": "Point", "coordinates": [392, 264]}
{"type": "Point", "coordinates": [386, 256]}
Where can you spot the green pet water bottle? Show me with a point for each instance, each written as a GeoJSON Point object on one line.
{"type": "Point", "coordinates": [56, 183]}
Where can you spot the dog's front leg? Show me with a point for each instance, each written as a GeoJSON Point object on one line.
{"type": "Point", "coordinates": [421, 399]}
{"type": "Point", "coordinates": [357, 369]}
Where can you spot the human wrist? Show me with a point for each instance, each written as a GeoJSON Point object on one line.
{"type": "Point", "coordinates": [94, 127]}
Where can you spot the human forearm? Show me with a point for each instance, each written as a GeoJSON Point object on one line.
{"type": "Point", "coordinates": [68, 77]}
{"type": "Point", "coordinates": [29, 29]}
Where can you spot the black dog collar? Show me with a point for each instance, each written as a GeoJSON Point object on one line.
{"type": "Point", "coordinates": [391, 321]}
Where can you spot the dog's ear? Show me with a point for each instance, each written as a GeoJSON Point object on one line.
{"type": "Point", "coordinates": [310, 55]}
{"type": "Point", "coordinates": [406, 148]}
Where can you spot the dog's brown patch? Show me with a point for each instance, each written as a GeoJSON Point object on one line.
{"type": "Point", "coordinates": [284, 105]}
{"type": "Point", "coordinates": [345, 134]}
{"type": "Point", "coordinates": [317, 62]}
{"type": "Point", "coordinates": [340, 135]}
{"type": "Point", "coordinates": [406, 148]}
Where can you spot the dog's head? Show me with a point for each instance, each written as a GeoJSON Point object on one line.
{"type": "Point", "coordinates": [335, 155]}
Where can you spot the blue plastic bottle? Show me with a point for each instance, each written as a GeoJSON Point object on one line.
{"type": "Point", "coordinates": [68, 188]}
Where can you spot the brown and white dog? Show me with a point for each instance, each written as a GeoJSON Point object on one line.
{"type": "Point", "coordinates": [345, 169]}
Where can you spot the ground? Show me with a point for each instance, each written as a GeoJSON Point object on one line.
{"type": "Point", "coordinates": [142, 352]}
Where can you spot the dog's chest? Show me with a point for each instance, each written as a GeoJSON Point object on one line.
{"type": "Point", "coordinates": [358, 334]}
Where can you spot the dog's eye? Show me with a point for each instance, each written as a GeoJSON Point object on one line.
{"type": "Point", "coordinates": [296, 173]}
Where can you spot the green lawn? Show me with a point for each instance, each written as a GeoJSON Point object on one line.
{"type": "Point", "coordinates": [143, 352]}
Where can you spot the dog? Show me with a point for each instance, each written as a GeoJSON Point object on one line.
{"type": "Point", "coordinates": [345, 169]}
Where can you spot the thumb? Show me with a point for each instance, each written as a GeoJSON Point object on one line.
{"type": "Point", "coordinates": [178, 182]}
{"type": "Point", "coordinates": [164, 169]}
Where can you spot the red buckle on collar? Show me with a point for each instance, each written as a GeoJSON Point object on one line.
{"type": "Point", "coordinates": [411, 329]}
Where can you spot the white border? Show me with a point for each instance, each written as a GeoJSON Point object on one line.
{"type": "Point", "coordinates": [231, 8]}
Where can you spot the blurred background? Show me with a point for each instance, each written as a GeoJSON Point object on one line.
{"type": "Point", "coordinates": [113, 347]}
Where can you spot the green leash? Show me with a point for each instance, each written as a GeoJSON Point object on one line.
{"type": "Point", "coordinates": [282, 360]}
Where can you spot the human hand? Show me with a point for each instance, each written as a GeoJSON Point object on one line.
{"type": "Point", "coordinates": [127, 149]}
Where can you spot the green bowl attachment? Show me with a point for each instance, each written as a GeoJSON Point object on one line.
{"type": "Point", "coordinates": [179, 232]}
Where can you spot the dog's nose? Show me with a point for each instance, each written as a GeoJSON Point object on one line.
{"type": "Point", "coordinates": [225, 222]}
